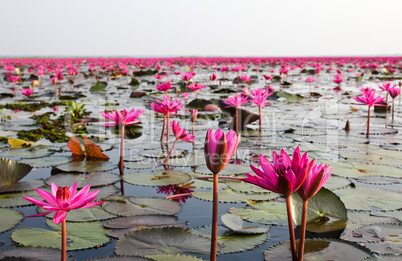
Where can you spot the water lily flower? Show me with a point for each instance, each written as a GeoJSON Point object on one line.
{"type": "Point", "coordinates": [236, 101]}
{"type": "Point", "coordinates": [385, 87]}
{"type": "Point", "coordinates": [259, 98]}
{"type": "Point", "coordinates": [164, 87]}
{"type": "Point", "coordinates": [310, 80]}
{"type": "Point", "coordinates": [218, 150]}
{"type": "Point", "coordinates": [369, 99]}
{"type": "Point", "coordinates": [122, 118]}
{"type": "Point", "coordinates": [194, 112]}
{"type": "Point", "coordinates": [394, 92]}
{"type": "Point", "coordinates": [338, 78]}
{"type": "Point", "coordinates": [196, 87]}
{"type": "Point", "coordinates": [180, 134]}
{"type": "Point", "coordinates": [212, 77]}
{"type": "Point", "coordinates": [27, 92]}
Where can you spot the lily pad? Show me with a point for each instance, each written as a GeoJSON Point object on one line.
{"type": "Point", "coordinates": [98, 86]}
{"type": "Point", "coordinates": [324, 204]}
{"type": "Point", "coordinates": [378, 180]}
{"type": "Point", "coordinates": [142, 165]}
{"type": "Point", "coordinates": [230, 241]}
{"type": "Point", "coordinates": [378, 233]}
{"type": "Point", "coordinates": [83, 214]}
{"type": "Point", "coordinates": [337, 182]}
{"type": "Point", "coordinates": [94, 179]}
{"type": "Point", "coordinates": [160, 178]}
{"type": "Point", "coordinates": [388, 257]}
{"type": "Point", "coordinates": [87, 166]}
{"type": "Point", "coordinates": [32, 254]}
{"type": "Point", "coordinates": [387, 247]}
{"type": "Point", "coordinates": [361, 198]}
{"type": "Point", "coordinates": [133, 206]}
{"type": "Point", "coordinates": [229, 170]}
{"type": "Point", "coordinates": [28, 153]}
{"type": "Point", "coordinates": [229, 195]}
{"type": "Point", "coordinates": [47, 161]}
{"type": "Point", "coordinates": [245, 187]}
{"type": "Point", "coordinates": [270, 213]}
{"type": "Point", "coordinates": [120, 258]}
{"type": "Point", "coordinates": [127, 224]}
{"type": "Point", "coordinates": [191, 160]}
{"type": "Point", "coordinates": [79, 235]}
{"type": "Point", "coordinates": [15, 199]}
{"type": "Point", "coordinates": [161, 241]}
{"type": "Point", "coordinates": [11, 172]}
{"type": "Point", "coordinates": [177, 257]}
{"type": "Point", "coordinates": [318, 250]}
{"type": "Point", "coordinates": [9, 218]}
{"type": "Point", "coordinates": [236, 224]}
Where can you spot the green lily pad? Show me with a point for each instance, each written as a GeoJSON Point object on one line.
{"type": "Point", "coordinates": [270, 213]}
{"type": "Point", "coordinates": [94, 179]}
{"type": "Point", "coordinates": [245, 187]}
{"type": "Point", "coordinates": [160, 178]}
{"type": "Point", "coordinates": [318, 250]}
{"type": "Point", "coordinates": [120, 258]}
{"type": "Point", "coordinates": [177, 257]}
{"type": "Point", "coordinates": [324, 204]}
{"type": "Point", "coordinates": [133, 206]}
{"type": "Point", "coordinates": [361, 198]}
{"type": "Point", "coordinates": [290, 96]}
{"type": "Point", "coordinates": [15, 199]}
{"type": "Point", "coordinates": [230, 241]}
{"type": "Point", "coordinates": [229, 170]}
{"type": "Point", "coordinates": [386, 257]}
{"type": "Point", "coordinates": [377, 180]}
{"type": "Point", "coordinates": [392, 214]}
{"type": "Point", "coordinates": [161, 241]}
{"type": "Point", "coordinates": [191, 160]}
{"type": "Point", "coordinates": [229, 195]}
{"type": "Point", "coordinates": [337, 182]}
{"type": "Point", "coordinates": [9, 218]}
{"type": "Point", "coordinates": [79, 235]}
{"type": "Point", "coordinates": [95, 213]}
{"type": "Point", "coordinates": [378, 233]}
{"type": "Point", "coordinates": [146, 165]}
{"type": "Point", "coordinates": [47, 161]}
{"type": "Point", "coordinates": [387, 247]}
{"type": "Point", "coordinates": [32, 254]}
{"type": "Point", "coordinates": [158, 154]}
{"type": "Point", "coordinates": [98, 86]}
{"type": "Point", "coordinates": [236, 224]}
{"type": "Point", "coordinates": [87, 166]}
{"type": "Point", "coordinates": [377, 170]}
{"type": "Point", "coordinates": [127, 224]}
{"type": "Point", "coordinates": [28, 153]}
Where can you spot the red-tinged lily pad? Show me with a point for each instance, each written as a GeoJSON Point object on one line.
{"type": "Point", "coordinates": [133, 206]}
{"type": "Point", "coordinates": [9, 218]}
{"type": "Point", "coordinates": [32, 254]}
{"type": "Point", "coordinates": [236, 224]}
{"type": "Point", "coordinates": [378, 233]}
{"type": "Point", "coordinates": [161, 241]}
{"type": "Point", "coordinates": [94, 179]}
{"type": "Point", "coordinates": [79, 235]}
{"type": "Point", "coordinates": [318, 250]}
{"type": "Point", "coordinates": [231, 241]}
{"type": "Point", "coordinates": [124, 225]}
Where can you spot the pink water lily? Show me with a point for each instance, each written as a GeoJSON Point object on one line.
{"type": "Point", "coordinates": [180, 134]}
{"type": "Point", "coordinates": [259, 98]}
{"type": "Point", "coordinates": [236, 101]}
{"type": "Point", "coordinates": [62, 200]}
{"type": "Point", "coordinates": [122, 117]}
{"type": "Point", "coordinates": [394, 92]}
{"type": "Point", "coordinates": [315, 179]}
{"type": "Point", "coordinates": [27, 92]}
{"type": "Point", "coordinates": [164, 87]}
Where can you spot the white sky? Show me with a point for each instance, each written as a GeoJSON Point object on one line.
{"type": "Point", "coordinates": [200, 27]}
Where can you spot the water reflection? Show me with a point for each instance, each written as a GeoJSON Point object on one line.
{"type": "Point", "coordinates": [178, 193]}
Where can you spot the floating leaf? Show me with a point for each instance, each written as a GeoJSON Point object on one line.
{"type": "Point", "coordinates": [337, 182]}
{"type": "Point", "coordinates": [236, 224]}
{"type": "Point", "coordinates": [31, 254]}
{"type": "Point", "coordinates": [392, 214]}
{"type": "Point", "coordinates": [270, 213]}
{"type": "Point", "coordinates": [369, 198]}
{"type": "Point", "coordinates": [83, 214]}
{"type": "Point", "coordinates": [290, 96]}
{"type": "Point", "coordinates": [177, 257]}
{"type": "Point", "coordinates": [98, 86]}
{"type": "Point", "coordinates": [87, 166]}
{"type": "Point", "coordinates": [133, 206]}
{"type": "Point", "coordinates": [318, 249]}
{"type": "Point", "coordinates": [127, 224]}
{"type": "Point", "coordinates": [9, 218]}
{"type": "Point", "coordinates": [324, 204]}
{"type": "Point", "coordinates": [16, 200]}
{"type": "Point", "coordinates": [11, 172]}
{"type": "Point", "coordinates": [29, 153]}
{"type": "Point", "coordinates": [229, 170]}
{"type": "Point", "coordinates": [146, 165]}
{"type": "Point", "coordinates": [94, 179]}
{"type": "Point", "coordinates": [92, 151]}
{"type": "Point", "coordinates": [47, 161]}
{"type": "Point", "coordinates": [75, 147]}
{"type": "Point", "coordinates": [379, 180]}
{"type": "Point", "coordinates": [79, 235]}
{"type": "Point", "coordinates": [387, 247]}
{"type": "Point", "coordinates": [160, 178]}
{"type": "Point", "coordinates": [230, 241]}
{"type": "Point", "coordinates": [378, 233]}
{"type": "Point", "coordinates": [245, 187]}
{"type": "Point", "coordinates": [389, 257]}
{"type": "Point", "coordinates": [228, 195]}
{"type": "Point", "coordinates": [161, 241]}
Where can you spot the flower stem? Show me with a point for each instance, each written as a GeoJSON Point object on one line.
{"type": "Point", "coordinates": [214, 235]}
{"type": "Point", "coordinates": [163, 127]}
{"type": "Point", "coordinates": [291, 230]}
{"type": "Point", "coordinates": [170, 153]}
{"type": "Point", "coordinates": [303, 230]}
{"type": "Point", "coordinates": [63, 241]}
{"type": "Point", "coordinates": [368, 122]}
{"type": "Point", "coordinates": [393, 99]}
{"type": "Point", "coordinates": [259, 111]}
{"type": "Point", "coordinates": [237, 120]}
{"type": "Point", "coordinates": [122, 143]}
{"type": "Point", "coordinates": [167, 128]}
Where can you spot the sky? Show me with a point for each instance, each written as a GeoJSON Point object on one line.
{"type": "Point", "coordinates": [160, 28]}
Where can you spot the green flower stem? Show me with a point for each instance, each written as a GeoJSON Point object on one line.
{"type": "Point", "coordinates": [303, 230]}
{"type": "Point", "coordinates": [291, 230]}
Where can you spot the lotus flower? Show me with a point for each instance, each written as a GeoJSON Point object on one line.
{"type": "Point", "coordinates": [394, 92]}
{"type": "Point", "coordinates": [62, 200]}
{"type": "Point", "coordinates": [259, 98]}
{"type": "Point", "coordinates": [27, 92]}
{"type": "Point", "coordinates": [236, 101]}
{"type": "Point", "coordinates": [180, 134]}
{"type": "Point", "coordinates": [315, 179]}
{"type": "Point", "coordinates": [164, 87]}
